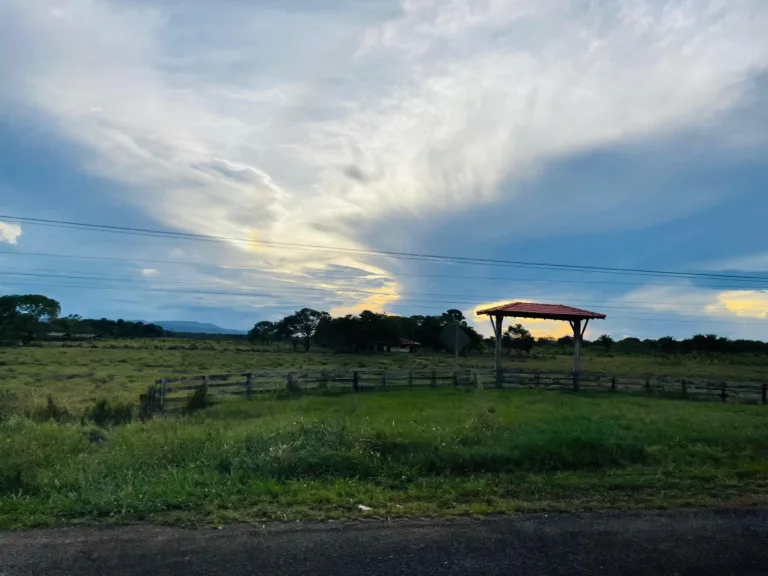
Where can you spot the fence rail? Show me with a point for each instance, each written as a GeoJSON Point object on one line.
{"type": "Point", "coordinates": [173, 393]}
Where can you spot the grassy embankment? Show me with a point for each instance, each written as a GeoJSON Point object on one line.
{"type": "Point", "coordinates": [405, 452]}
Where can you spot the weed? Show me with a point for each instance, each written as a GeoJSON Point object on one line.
{"type": "Point", "coordinates": [104, 414]}
{"type": "Point", "coordinates": [198, 400]}
{"type": "Point", "coordinates": [52, 411]}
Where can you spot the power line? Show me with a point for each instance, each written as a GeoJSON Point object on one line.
{"type": "Point", "coordinates": [367, 252]}
{"type": "Point", "coordinates": [370, 275]}
{"type": "Point", "coordinates": [453, 298]}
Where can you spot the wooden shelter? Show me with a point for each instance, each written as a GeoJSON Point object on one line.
{"type": "Point", "coordinates": [578, 319]}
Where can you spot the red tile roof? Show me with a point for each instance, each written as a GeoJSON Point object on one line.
{"type": "Point", "coordinates": [544, 311]}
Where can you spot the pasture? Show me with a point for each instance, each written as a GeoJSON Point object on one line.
{"type": "Point", "coordinates": [78, 374]}
{"type": "Point", "coordinates": [396, 452]}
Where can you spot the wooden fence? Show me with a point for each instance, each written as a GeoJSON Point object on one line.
{"type": "Point", "coordinates": [173, 393]}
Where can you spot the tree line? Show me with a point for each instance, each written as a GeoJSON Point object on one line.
{"type": "Point", "coordinates": [28, 317]}
{"type": "Point", "coordinates": [364, 331]}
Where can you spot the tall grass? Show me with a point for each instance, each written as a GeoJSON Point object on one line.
{"type": "Point", "coordinates": [401, 451]}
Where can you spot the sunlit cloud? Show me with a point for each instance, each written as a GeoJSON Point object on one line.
{"type": "Point", "coordinates": [744, 303]}
{"type": "Point", "coordinates": [423, 111]}
{"type": "Point", "coordinates": [9, 233]}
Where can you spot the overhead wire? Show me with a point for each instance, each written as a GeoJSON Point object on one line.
{"type": "Point", "coordinates": [471, 298]}
{"type": "Point", "coordinates": [366, 274]}
{"type": "Point", "coordinates": [676, 307]}
{"type": "Point", "coordinates": [370, 252]}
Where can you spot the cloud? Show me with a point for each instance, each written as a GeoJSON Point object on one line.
{"type": "Point", "coordinates": [738, 313]}
{"type": "Point", "coordinates": [361, 117]}
{"type": "Point", "coordinates": [148, 272]}
{"type": "Point", "coordinates": [749, 263]}
{"type": "Point", "coordinates": [9, 233]}
{"type": "Point", "coordinates": [743, 303]}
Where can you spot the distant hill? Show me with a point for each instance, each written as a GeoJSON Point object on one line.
{"type": "Point", "coordinates": [195, 327]}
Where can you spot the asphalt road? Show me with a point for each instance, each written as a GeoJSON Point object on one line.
{"type": "Point", "coordinates": [699, 543]}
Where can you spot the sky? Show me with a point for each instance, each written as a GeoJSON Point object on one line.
{"type": "Point", "coordinates": [312, 136]}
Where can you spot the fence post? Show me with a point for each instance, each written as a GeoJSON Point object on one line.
{"type": "Point", "coordinates": [434, 378]}
{"type": "Point", "coordinates": [455, 378]}
{"type": "Point", "coordinates": [355, 380]}
{"type": "Point", "coordinates": [765, 393]}
{"type": "Point", "coordinates": [723, 393]}
{"type": "Point", "coordinates": [249, 386]}
{"type": "Point", "coordinates": [205, 389]}
{"type": "Point", "coordinates": [648, 384]}
{"type": "Point", "coordinates": [290, 383]}
{"type": "Point", "coordinates": [410, 378]}
{"type": "Point", "coordinates": [684, 384]}
{"type": "Point", "coordinates": [384, 379]}
{"type": "Point", "coordinates": [613, 384]}
{"type": "Point", "coordinates": [151, 399]}
{"type": "Point", "coordinates": [576, 382]}
{"type": "Point", "coordinates": [162, 395]}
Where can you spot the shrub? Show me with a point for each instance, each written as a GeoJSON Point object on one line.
{"type": "Point", "coordinates": [52, 411]}
{"type": "Point", "coordinates": [105, 414]}
{"type": "Point", "coordinates": [198, 400]}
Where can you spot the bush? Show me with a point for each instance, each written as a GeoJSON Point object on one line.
{"type": "Point", "coordinates": [198, 400]}
{"type": "Point", "coordinates": [105, 414]}
{"type": "Point", "coordinates": [52, 411]}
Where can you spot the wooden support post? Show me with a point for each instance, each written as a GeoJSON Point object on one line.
{"type": "Point", "coordinates": [384, 378]}
{"type": "Point", "coordinates": [498, 358]}
{"type": "Point", "coordinates": [765, 393]}
{"type": "Point", "coordinates": [355, 380]}
{"type": "Point", "coordinates": [455, 378]}
{"type": "Point", "coordinates": [249, 386]}
{"type": "Point", "coordinates": [576, 325]}
{"type": "Point", "coordinates": [648, 384]}
{"type": "Point", "coordinates": [537, 381]}
{"type": "Point", "coordinates": [434, 378]}
{"type": "Point", "coordinates": [684, 386]}
{"type": "Point", "coordinates": [723, 393]}
{"type": "Point", "coordinates": [205, 389]}
{"type": "Point", "coordinates": [410, 378]}
{"type": "Point", "coordinates": [613, 384]}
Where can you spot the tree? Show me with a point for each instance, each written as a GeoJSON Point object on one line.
{"type": "Point", "coordinates": [565, 341]}
{"type": "Point", "coordinates": [605, 341]}
{"type": "Point", "coordinates": [518, 338]}
{"type": "Point", "coordinates": [454, 316]}
{"type": "Point", "coordinates": [22, 316]}
{"type": "Point", "coordinates": [262, 332]}
{"type": "Point", "coordinates": [69, 325]}
{"type": "Point", "coordinates": [303, 323]}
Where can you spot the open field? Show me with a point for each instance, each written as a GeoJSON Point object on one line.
{"type": "Point", "coordinates": [79, 374]}
{"type": "Point", "coordinates": [399, 452]}
{"type": "Point", "coordinates": [416, 452]}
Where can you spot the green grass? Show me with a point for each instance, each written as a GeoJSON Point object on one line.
{"type": "Point", "coordinates": [78, 375]}
{"type": "Point", "coordinates": [407, 452]}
